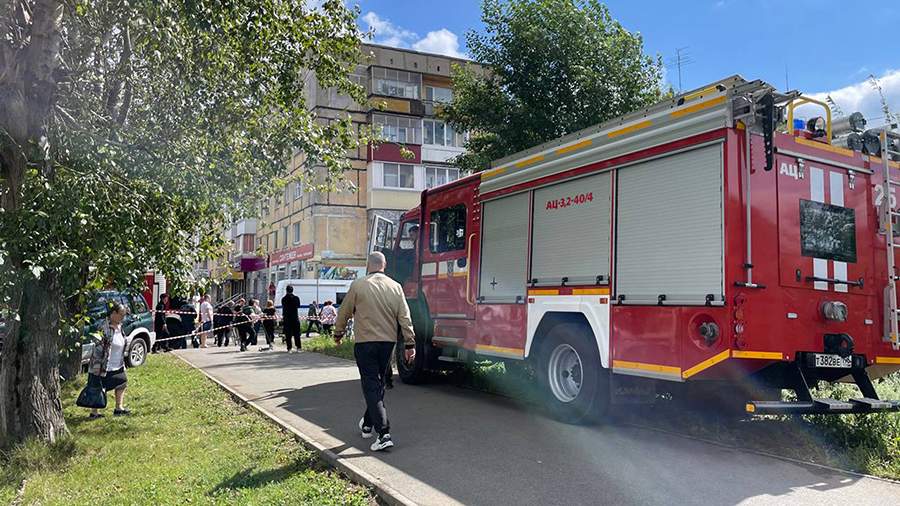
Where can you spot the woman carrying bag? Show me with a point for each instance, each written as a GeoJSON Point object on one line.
{"type": "Point", "coordinates": [106, 370]}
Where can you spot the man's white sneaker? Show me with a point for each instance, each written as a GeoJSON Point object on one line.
{"type": "Point", "coordinates": [382, 443]}
{"type": "Point", "coordinates": [365, 432]}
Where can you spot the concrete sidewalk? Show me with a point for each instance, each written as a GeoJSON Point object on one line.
{"type": "Point", "coordinates": [459, 446]}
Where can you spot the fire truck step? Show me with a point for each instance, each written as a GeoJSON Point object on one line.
{"type": "Point", "coordinates": [874, 404]}
{"type": "Point", "coordinates": [833, 405]}
{"type": "Point", "coordinates": [821, 406]}
{"type": "Point", "coordinates": [444, 358]}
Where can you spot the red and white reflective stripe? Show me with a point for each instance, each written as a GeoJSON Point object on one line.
{"type": "Point", "coordinates": [817, 194]}
{"type": "Point", "coordinates": [836, 196]}
{"type": "Point", "coordinates": [836, 185]}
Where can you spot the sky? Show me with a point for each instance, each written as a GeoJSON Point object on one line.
{"type": "Point", "coordinates": [824, 47]}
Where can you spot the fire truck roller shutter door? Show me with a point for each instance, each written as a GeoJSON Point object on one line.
{"type": "Point", "coordinates": [571, 231]}
{"type": "Point", "coordinates": [504, 249]}
{"type": "Point", "coordinates": [669, 234]}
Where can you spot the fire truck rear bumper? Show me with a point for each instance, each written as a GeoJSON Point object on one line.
{"type": "Point", "coordinates": [822, 406]}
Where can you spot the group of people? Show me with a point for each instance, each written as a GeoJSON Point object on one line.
{"type": "Point", "coordinates": [241, 320]}
{"type": "Point", "coordinates": [376, 303]}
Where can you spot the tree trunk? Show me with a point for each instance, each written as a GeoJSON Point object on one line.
{"type": "Point", "coordinates": [29, 367]}
{"type": "Point", "coordinates": [29, 364]}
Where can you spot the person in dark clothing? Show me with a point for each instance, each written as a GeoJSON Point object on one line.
{"type": "Point", "coordinates": [290, 314]}
{"type": "Point", "coordinates": [220, 320]}
{"type": "Point", "coordinates": [159, 324]}
{"type": "Point", "coordinates": [188, 324]}
{"type": "Point", "coordinates": [312, 318]}
{"type": "Point", "coordinates": [269, 324]}
{"type": "Point", "coordinates": [243, 319]}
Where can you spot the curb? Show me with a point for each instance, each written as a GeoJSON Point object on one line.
{"type": "Point", "coordinates": [384, 491]}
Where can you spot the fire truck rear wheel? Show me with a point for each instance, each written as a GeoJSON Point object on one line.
{"type": "Point", "coordinates": [575, 385]}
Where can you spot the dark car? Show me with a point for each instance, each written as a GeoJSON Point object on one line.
{"type": "Point", "coordinates": [137, 326]}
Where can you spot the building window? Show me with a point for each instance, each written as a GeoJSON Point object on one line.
{"type": "Point", "coordinates": [437, 94]}
{"type": "Point", "coordinates": [438, 133]}
{"type": "Point", "coordinates": [436, 176]}
{"type": "Point", "coordinates": [298, 187]}
{"type": "Point", "coordinates": [398, 175]}
{"type": "Point", "coordinates": [395, 83]}
{"type": "Point", "coordinates": [448, 229]}
{"type": "Point", "coordinates": [398, 129]}
{"type": "Point", "coordinates": [275, 240]}
{"type": "Point", "coordinates": [296, 233]}
{"type": "Point", "coordinates": [284, 234]}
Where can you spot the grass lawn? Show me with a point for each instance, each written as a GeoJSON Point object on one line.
{"type": "Point", "coordinates": [188, 442]}
{"type": "Point", "coordinates": [862, 443]}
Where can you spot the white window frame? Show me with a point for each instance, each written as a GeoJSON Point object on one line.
{"type": "Point", "coordinates": [445, 170]}
{"type": "Point", "coordinates": [296, 227]}
{"type": "Point", "coordinates": [451, 138]}
{"type": "Point", "coordinates": [386, 166]}
{"type": "Point", "coordinates": [390, 126]}
{"type": "Point", "coordinates": [429, 90]}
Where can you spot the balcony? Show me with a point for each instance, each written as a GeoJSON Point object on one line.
{"type": "Point", "coordinates": [380, 103]}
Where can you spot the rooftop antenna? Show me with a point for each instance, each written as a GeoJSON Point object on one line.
{"type": "Point", "coordinates": [681, 59]}
{"type": "Point", "coordinates": [787, 85]}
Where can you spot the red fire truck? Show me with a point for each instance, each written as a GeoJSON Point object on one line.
{"type": "Point", "coordinates": [698, 241]}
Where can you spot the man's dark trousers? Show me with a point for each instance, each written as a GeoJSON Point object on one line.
{"type": "Point", "coordinates": [292, 331]}
{"type": "Point", "coordinates": [372, 359]}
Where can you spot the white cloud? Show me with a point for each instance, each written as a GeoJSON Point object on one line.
{"type": "Point", "coordinates": [387, 33]}
{"type": "Point", "coordinates": [863, 97]}
{"type": "Point", "coordinates": [441, 41]}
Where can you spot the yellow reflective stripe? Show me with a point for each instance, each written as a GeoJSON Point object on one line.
{"type": "Point", "coordinates": [493, 172]}
{"type": "Point", "coordinates": [590, 291]}
{"type": "Point", "coordinates": [826, 147]}
{"type": "Point", "coordinates": [500, 349]}
{"type": "Point", "coordinates": [543, 292]}
{"type": "Point", "coordinates": [766, 355]}
{"type": "Point", "coordinates": [574, 147]}
{"type": "Point", "coordinates": [887, 360]}
{"type": "Point", "coordinates": [627, 130]}
{"type": "Point", "coordinates": [664, 369]}
{"type": "Point", "coordinates": [529, 161]}
{"type": "Point", "coordinates": [706, 364]}
{"type": "Point", "coordinates": [697, 107]}
{"type": "Point", "coordinates": [696, 94]}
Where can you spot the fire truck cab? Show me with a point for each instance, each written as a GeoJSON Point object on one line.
{"type": "Point", "coordinates": [698, 240]}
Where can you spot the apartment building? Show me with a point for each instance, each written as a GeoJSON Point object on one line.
{"type": "Point", "coordinates": [324, 235]}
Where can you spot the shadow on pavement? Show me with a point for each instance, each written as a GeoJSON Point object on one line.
{"type": "Point", "coordinates": [484, 449]}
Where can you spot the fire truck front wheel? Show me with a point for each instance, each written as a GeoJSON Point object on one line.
{"type": "Point", "coordinates": [575, 386]}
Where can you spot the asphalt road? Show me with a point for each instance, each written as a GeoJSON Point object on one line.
{"type": "Point", "coordinates": [459, 446]}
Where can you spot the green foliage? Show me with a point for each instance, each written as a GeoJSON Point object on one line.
{"type": "Point", "coordinates": [168, 119]}
{"type": "Point", "coordinates": [188, 442]}
{"type": "Point", "coordinates": [553, 67]}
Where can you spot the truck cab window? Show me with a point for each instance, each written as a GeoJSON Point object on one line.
{"type": "Point", "coordinates": [448, 229]}
{"type": "Point", "coordinates": [406, 250]}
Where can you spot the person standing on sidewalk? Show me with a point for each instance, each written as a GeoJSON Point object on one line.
{"type": "Point", "coordinates": [290, 314]}
{"type": "Point", "coordinates": [312, 318]}
{"type": "Point", "coordinates": [206, 319]}
{"type": "Point", "coordinates": [159, 324]}
{"type": "Point", "coordinates": [378, 307]}
{"type": "Point", "coordinates": [269, 325]}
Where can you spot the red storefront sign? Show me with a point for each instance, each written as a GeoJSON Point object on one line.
{"type": "Point", "coordinates": [302, 252]}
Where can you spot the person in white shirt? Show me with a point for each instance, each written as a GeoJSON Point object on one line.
{"type": "Point", "coordinates": [107, 365]}
{"type": "Point", "coordinates": [206, 319]}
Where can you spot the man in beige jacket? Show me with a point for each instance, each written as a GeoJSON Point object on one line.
{"type": "Point", "coordinates": [380, 314]}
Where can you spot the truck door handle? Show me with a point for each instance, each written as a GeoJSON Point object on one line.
{"type": "Point", "coordinates": [469, 269]}
{"type": "Point", "coordinates": [858, 283]}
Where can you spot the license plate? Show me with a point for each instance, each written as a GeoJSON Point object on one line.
{"type": "Point", "coordinates": [833, 361]}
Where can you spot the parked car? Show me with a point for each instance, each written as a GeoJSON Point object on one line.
{"type": "Point", "coordinates": [137, 326]}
